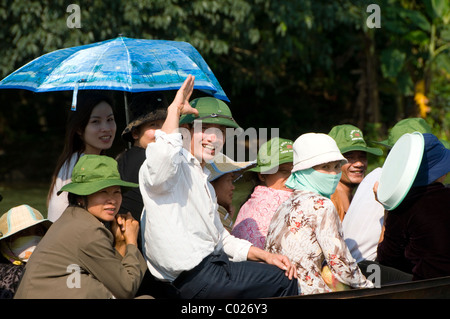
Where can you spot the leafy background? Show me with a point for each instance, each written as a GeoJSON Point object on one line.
{"type": "Point", "coordinates": [301, 66]}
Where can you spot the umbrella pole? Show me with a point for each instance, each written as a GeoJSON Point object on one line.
{"type": "Point", "coordinates": [127, 117]}
{"type": "Point", "coordinates": [126, 107]}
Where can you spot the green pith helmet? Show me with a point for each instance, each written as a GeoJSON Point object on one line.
{"type": "Point", "coordinates": [273, 153]}
{"type": "Point", "coordinates": [404, 126]}
{"type": "Point", "coordinates": [350, 138]}
{"type": "Point", "coordinates": [211, 111]}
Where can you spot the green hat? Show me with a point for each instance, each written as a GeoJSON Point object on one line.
{"type": "Point", "coordinates": [350, 138]}
{"type": "Point", "coordinates": [211, 111]}
{"type": "Point", "coordinates": [273, 153]}
{"type": "Point", "coordinates": [409, 125]}
{"type": "Point", "coordinates": [93, 173]}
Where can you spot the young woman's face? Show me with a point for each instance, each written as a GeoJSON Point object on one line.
{"type": "Point", "coordinates": [278, 179]}
{"type": "Point", "coordinates": [100, 131]}
{"type": "Point", "coordinates": [333, 168]}
{"type": "Point", "coordinates": [224, 189]}
{"type": "Point", "coordinates": [145, 134]}
{"type": "Point", "coordinates": [207, 141]}
{"type": "Point", "coordinates": [105, 203]}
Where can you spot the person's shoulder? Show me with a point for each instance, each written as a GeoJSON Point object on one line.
{"type": "Point", "coordinates": [311, 199]}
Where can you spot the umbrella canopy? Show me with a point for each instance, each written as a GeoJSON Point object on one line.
{"type": "Point", "coordinates": [122, 64]}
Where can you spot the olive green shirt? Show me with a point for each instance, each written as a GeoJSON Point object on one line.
{"type": "Point", "coordinates": [76, 259]}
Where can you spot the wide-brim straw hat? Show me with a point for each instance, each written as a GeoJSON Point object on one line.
{"type": "Point", "coordinates": [20, 218]}
{"type": "Point", "coordinates": [222, 164]}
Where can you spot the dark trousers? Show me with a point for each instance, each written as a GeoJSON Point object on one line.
{"type": "Point", "coordinates": [217, 277]}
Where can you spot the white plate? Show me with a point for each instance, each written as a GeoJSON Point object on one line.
{"type": "Point", "coordinates": [400, 169]}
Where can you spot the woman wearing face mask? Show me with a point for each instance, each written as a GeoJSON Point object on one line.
{"type": "Point", "coordinates": [21, 229]}
{"type": "Point", "coordinates": [306, 227]}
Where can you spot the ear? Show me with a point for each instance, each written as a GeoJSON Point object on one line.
{"type": "Point", "coordinates": [80, 133]}
{"type": "Point", "coordinates": [81, 201]}
{"type": "Point", "coordinates": [261, 177]}
{"type": "Point", "coordinates": [135, 133]}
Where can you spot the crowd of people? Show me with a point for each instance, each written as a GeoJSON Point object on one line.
{"type": "Point", "coordinates": [159, 221]}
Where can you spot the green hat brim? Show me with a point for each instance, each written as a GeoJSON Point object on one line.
{"type": "Point", "coordinates": [267, 169]}
{"type": "Point", "coordinates": [94, 186]}
{"type": "Point", "coordinates": [227, 122]}
{"type": "Point", "coordinates": [383, 143]}
{"type": "Point", "coordinates": [371, 150]}
{"type": "Point", "coordinates": [221, 121]}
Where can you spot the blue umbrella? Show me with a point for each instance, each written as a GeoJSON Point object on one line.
{"type": "Point", "coordinates": [122, 64]}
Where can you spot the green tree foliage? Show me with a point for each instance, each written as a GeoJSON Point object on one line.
{"type": "Point", "coordinates": [297, 65]}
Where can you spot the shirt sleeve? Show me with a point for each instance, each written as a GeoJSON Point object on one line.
{"type": "Point", "coordinates": [235, 248]}
{"type": "Point", "coordinates": [58, 203]}
{"type": "Point", "coordinates": [337, 255]}
{"type": "Point", "coordinates": [391, 251]}
{"type": "Point", "coordinates": [158, 173]}
{"type": "Point", "coordinates": [121, 276]}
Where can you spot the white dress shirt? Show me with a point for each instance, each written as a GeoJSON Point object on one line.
{"type": "Point", "coordinates": [363, 222]}
{"type": "Point", "coordinates": [180, 223]}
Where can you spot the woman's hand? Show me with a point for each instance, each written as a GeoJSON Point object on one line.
{"type": "Point", "coordinates": [125, 230]}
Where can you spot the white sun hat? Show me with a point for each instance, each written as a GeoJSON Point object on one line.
{"type": "Point", "coordinates": [312, 149]}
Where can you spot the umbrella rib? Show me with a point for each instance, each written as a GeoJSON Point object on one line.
{"type": "Point", "coordinates": [101, 56]}
{"type": "Point", "coordinates": [129, 64]}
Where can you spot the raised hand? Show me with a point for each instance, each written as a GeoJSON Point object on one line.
{"type": "Point", "coordinates": [180, 105]}
{"type": "Point", "coordinates": [181, 99]}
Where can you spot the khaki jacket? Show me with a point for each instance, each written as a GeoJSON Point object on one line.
{"type": "Point", "coordinates": [76, 259]}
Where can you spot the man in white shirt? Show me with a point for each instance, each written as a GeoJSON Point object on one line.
{"type": "Point", "coordinates": [184, 241]}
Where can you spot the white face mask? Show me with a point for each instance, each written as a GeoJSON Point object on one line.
{"type": "Point", "coordinates": [24, 246]}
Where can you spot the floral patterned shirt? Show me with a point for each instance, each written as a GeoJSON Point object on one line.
{"type": "Point", "coordinates": [306, 228]}
{"type": "Point", "coordinates": [252, 222]}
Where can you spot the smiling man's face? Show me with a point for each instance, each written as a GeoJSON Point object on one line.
{"type": "Point", "coordinates": [354, 171]}
{"type": "Point", "coordinates": [207, 141]}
